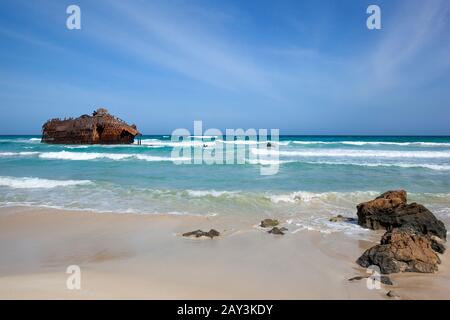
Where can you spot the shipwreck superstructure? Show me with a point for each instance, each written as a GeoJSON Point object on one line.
{"type": "Point", "coordinates": [99, 128]}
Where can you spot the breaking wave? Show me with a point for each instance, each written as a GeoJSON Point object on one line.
{"type": "Point", "coordinates": [33, 183]}
{"type": "Point", "coordinates": [355, 153]}
{"type": "Point", "coordinates": [18, 154]}
{"type": "Point", "coordinates": [80, 156]}
{"type": "Point", "coordinates": [430, 166]}
{"type": "Point", "coordinates": [363, 143]}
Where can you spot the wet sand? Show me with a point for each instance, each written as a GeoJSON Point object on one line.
{"type": "Point", "coordinates": [129, 256]}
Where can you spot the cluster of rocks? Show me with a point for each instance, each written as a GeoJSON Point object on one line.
{"type": "Point", "coordinates": [273, 224]}
{"type": "Point", "coordinates": [199, 233]}
{"type": "Point", "coordinates": [411, 243]}
{"type": "Point", "coordinates": [413, 235]}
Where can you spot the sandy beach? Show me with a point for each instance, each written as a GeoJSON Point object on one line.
{"type": "Point", "coordinates": [130, 256]}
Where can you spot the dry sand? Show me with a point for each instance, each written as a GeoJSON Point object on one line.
{"type": "Point", "coordinates": [127, 256]}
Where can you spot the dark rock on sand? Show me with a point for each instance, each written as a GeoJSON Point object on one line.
{"type": "Point", "coordinates": [340, 218]}
{"type": "Point", "coordinates": [390, 210]}
{"type": "Point", "coordinates": [267, 223]}
{"type": "Point", "coordinates": [276, 230]}
{"type": "Point", "coordinates": [386, 280]}
{"type": "Point", "coordinates": [357, 278]}
{"type": "Point", "coordinates": [383, 279]}
{"type": "Point", "coordinates": [199, 233]}
{"type": "Point", "coordinates": [402, 250]}
{"type": "Point", "coordinates": [392, 294]}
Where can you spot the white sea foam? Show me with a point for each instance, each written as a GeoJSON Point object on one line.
{"type": "Point", "coordinates": [355, 153]}
{"type": "Point", "coordinates": [207, 143]}
{"type": "Point", "coordinates": [306, 197]}
{"type": "Point", "coordinates": [67, 155]}
{"type": "Point", "coordinates": [80, 156]}
{"type": "Point", "coordinates": [76, 147]}
{"type": "Point", "coordinates": [157, 159]}
{"type": "Point", "coordinates": [210, 193]}
{"type": "Point", "coordinates": [18, 154]}
{"type": "Point", "coordinates": [32, 183]}
{"type": "Point", "coordinates": [430, 166]}
{"type": "Point", "coordinates": [323, 225]}
{"type": "Point", "coordinates": [268, 162]}
{"type": "Point", "coordinates": [206, 137]}
{"type": "Point", "coordinates": [193, 143]}
{"type": "Point", "coordinates": [362, 143]}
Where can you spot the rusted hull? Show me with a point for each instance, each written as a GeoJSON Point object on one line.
{"type": "Point", "coordinates": [100, 128]}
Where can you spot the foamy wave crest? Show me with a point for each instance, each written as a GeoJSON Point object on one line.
{"type": "Point", "coordinates": [205, 137]}
{"type": "Point", "coordinates": [253, 142]}
{"type": "Point", "coordinates": [83, 156]}
{"type": "Point", "coordinates": [323, 225]}
{"type": "Point", "coordinates": [210, 193]}
{"type": "Point", "coordinates": [363, 143]}
{"type": "Point", "coordinates": [18, 154]}
{"type": "Point", "coordinates": [355, 153]}
{"type": "Point", "coordinates": [67, 155]}
{"type": "Point", "coordinates": [171, 144]}
{"type": "Point", "coordinates": [268, 162]}
{"type": "Point", "coordinates": [306, 197]}
{"type": "Point", "coordinates": [158, 159]}
{"type": "Point", "coordinates": [430, 166]}
{"type": "Point", "coordinates": [32, 183]}
{"type": "Point", "coordinates": [76, 147]}
{"type": "Point", "coordinates": [199, 143]}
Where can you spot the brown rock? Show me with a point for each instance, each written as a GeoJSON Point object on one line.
{"type": "Point", "coordinates": [383, 279]}
{"type": "Point", "coordinates": [384, 204]}
{"type": "Point", "coordinates": [392, 294]}
{"type": "Point", "coordinates": [340, 218]}
{"type": "Point", "coordinates": [357, 278]}
{"type": "Point", "coordinates": [267, 223]}
{"type": "Point", "coordinates": [401, 250]}
{"type": "Point", "coordinates": [199, 233]}
{"type": "Point", "coordinates": [213, 233]}
{"type": "Point", "coordinates": [386, 280]}
{"type": "Point", "coordinates": [276, 230]}
{"type": "Point", "coordinates": [390, 210]}
{"type": "Point", "coordinates": [100, 128]}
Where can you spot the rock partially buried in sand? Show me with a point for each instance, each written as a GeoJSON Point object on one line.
{"type": "Point", "coordinates": [357, 278]}
{"type": "Point", "coordinates": [267, 223]}
{"type": "Point", "coordinates": [390, 210]}
{"type": "Point", "coordinates": [199, 233]}
{"type": "Point", "coordinates": [386, 280]}
{"type": "Point", "coordinates": [383, 279]}
{"type": "Point", "coordinates": [402, 250]}
{"type": "Point", "coordinates": [276, 230]}
{"type": "Point", "coordinates": [392, 294]}
{"type": "Point", "coordinates": [340, 218]}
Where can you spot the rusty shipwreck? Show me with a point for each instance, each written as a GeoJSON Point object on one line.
{"type": "Point", "coordinates": [100, 128]}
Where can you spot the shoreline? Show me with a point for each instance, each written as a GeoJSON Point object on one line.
{"type": "Point", "coordinates": [130, 256]}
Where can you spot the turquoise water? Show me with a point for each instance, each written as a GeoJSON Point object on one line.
{"type": "Point", "coordinates": [317, 176]}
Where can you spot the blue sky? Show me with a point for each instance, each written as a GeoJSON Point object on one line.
{"type": "Point", "coordinates": [305, 67]}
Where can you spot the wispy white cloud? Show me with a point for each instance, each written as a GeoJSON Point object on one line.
{"type": "Point", "coordinates": [190, 45]}
{"type": "Point", "coordinates": [416, 37]}
{"type": "Point", "coordinates": [29, 39]}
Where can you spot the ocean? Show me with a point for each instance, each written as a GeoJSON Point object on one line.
{"type": "Point", "coordinates": [318, 177]}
